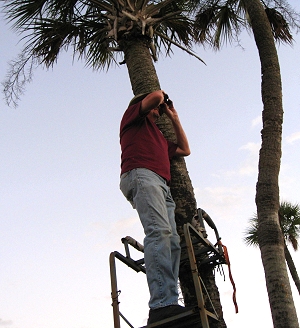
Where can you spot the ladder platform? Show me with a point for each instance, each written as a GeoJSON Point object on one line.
{"type": "Point", "coordinates": [195, 317]}
{"type": "Point", "coordinates": [187, 320]}
{"type": "Point", "coordinates": [214, 255]}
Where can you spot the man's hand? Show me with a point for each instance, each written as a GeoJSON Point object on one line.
{"type": "Point", "coordinates": [170, 111]}
{"type": "Point", "coordinates": [183, 148]}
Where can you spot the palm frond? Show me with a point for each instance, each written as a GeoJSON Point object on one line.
{"type": "Point", "coordinates": [171, 41]}
{"type": "Point", "coordinates": [289, 219]}
{"type": "Point", "coordinates": [20, 73]}
{"type": "Point", "coordinates": [205, 21]}
{"type": "Point", "coordinates": [156, 8]}
{"type": "Point", "coordinates": [22, 13]}
{"type": "Point", "coordinates": [100, 55]}
{"type": "Point", "coordinates": [227, 24]}
{"type": "Point", "coordinates": [251, 238]}
{"type": "Point", "coordinates": [95, 30]}
{"type": "Point", "coordinates": [291, 16]}
{"type": "Point", "coordinates": [218, 22]}
{"type": "Point", "coordinates": [280, 27]}
{"type": "Point", "coordinates": [103, 5]}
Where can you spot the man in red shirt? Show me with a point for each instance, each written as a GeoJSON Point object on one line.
{"type": "Point", "coordinates": [145, 178]}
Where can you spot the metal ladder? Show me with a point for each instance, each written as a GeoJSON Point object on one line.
{"type": "Point", "coordinates": [211, 254]}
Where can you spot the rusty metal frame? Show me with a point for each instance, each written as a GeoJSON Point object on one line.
{"type": "Point", "coordinates": [135, 265]}
{"type": "Point", "coordinates": [188, 228]}
{"type": "Point", "coordinates": [215, 258]}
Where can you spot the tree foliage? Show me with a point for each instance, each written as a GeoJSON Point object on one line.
{"type": "Point", "coordinates": [93, 30]}
{"type": "Point", "coordinates": [221, 21]}
{"type": "Point", "coordinates": [289, 220]}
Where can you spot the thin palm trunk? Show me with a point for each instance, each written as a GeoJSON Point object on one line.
{"type": "Point", "coordinates": [270, 237]}
{"type": "Point", "coordinates": [292, 268]}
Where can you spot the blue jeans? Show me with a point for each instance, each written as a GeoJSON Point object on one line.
{"type": "Point", "coordinates": [149, 194]}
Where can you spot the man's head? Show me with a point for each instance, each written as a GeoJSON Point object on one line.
{"type": "Point", "coordinates": [154, 113]}
{"type": "Point", "coordinates": [138, 98]}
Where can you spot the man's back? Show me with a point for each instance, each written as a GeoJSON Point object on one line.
{"type": "Point", "coordinates": [143, 145]}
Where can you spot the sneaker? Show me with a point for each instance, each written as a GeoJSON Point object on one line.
{"type": "Point", "coordinates": [166, 312]}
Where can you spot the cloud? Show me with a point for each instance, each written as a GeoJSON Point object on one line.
{"type": "Point", "coordinates": [5, 322]}
{"type": "Point", "coordinates": [130, 226]}
{"type": "Point", "coordinates": [293, 137]}
{"type": "Point", "coordinates": [252, 147]}
{"type": "Point", "coordinates": [124, 224]}
{"type": "Point", "coordinates": [226, 201]}
{"type": "Point", "coordinates": [256, 121]}
{"type": "Point", "coordinates": [233, 195]}
{"type": "Point", "coordinates": [248, 167]}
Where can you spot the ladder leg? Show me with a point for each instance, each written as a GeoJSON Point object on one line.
{"type": "Point", "coordinates": [195, 274]}
{"type": "Point", "coordinates": [114, 290]}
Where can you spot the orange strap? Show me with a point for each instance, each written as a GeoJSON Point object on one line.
{"type": "Point", "coordinates": [230, 275]}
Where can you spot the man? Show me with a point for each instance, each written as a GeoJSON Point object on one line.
{"type": "Point", "coordinates": [145, 178]}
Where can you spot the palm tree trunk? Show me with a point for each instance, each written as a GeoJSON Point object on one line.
{"type": "Point", "coordinates": [143, 79]}
{"type": "Point", "coordinates": [142, 73]}
{"type": "Point", "coordinates": [270, 237]}
{"type": "Point", "coordinates": [292, 268]}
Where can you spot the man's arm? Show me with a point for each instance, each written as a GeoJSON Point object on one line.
{"type": "Point", "coordinates": [183, 148]}
{"type": "Point", "coordinates": [153, 100]}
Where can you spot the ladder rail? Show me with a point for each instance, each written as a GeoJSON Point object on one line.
{"type": "Point", "coordinates": [195, 275]}
{"type": "Point", "coordinates": [138, 266]}
{"type": "Point", "coordinates": [114, 290]}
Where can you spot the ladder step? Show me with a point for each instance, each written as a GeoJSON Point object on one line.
{"type": "Point", "coordinates": [189, 319]}
{"type": "Point", "coordinates": [212, 315]}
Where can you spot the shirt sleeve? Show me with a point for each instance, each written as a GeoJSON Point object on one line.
{"type": "Point", "coordinates": [131, 116]}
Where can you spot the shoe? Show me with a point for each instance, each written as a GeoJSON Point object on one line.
{"type": "Point", "coordinates": [166, 312]}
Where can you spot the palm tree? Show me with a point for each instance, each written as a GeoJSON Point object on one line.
{"type": "Point", "coordinates": [267, 190]}
{"type": "Point", "coordinates": [289, 219]}
{"type": "Point", "coordinates": [100, 32]}
{"type": "Point", "coordinates": [225, 18]}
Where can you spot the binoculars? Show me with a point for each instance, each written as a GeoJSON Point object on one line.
{"type": "Point", "coordinates": [167, 101]}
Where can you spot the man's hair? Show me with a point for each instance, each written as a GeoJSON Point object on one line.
{"type": "Point", "coordinates": [138, 98]}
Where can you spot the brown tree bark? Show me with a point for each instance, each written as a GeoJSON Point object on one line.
{"type": "Point", "coordinates": [270, 237]}
{"type": "Point", "coordinates": [144, 79]}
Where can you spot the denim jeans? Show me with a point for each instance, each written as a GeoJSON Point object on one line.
{"type": "Point", "coordinates": [149, 194]}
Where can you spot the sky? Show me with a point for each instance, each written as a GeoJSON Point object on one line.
{"type": "Point", "coordinates": [61, 210]}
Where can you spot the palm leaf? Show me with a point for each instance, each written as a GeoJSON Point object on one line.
{"type": "Point", "coordinates": [251, 238]}
{"type": "Point", "coordinates": [279, 26]}
{"type": "Point", "coordinates": [289, 219]}
{"type": "Point", "coordinates": [94, 29]}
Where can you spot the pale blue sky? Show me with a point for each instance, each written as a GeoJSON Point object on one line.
{"type": "Point", "coordinates": [61, 211]}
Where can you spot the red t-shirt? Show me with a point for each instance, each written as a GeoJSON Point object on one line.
{"type": "Point", "coordinates": [143, 145]}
